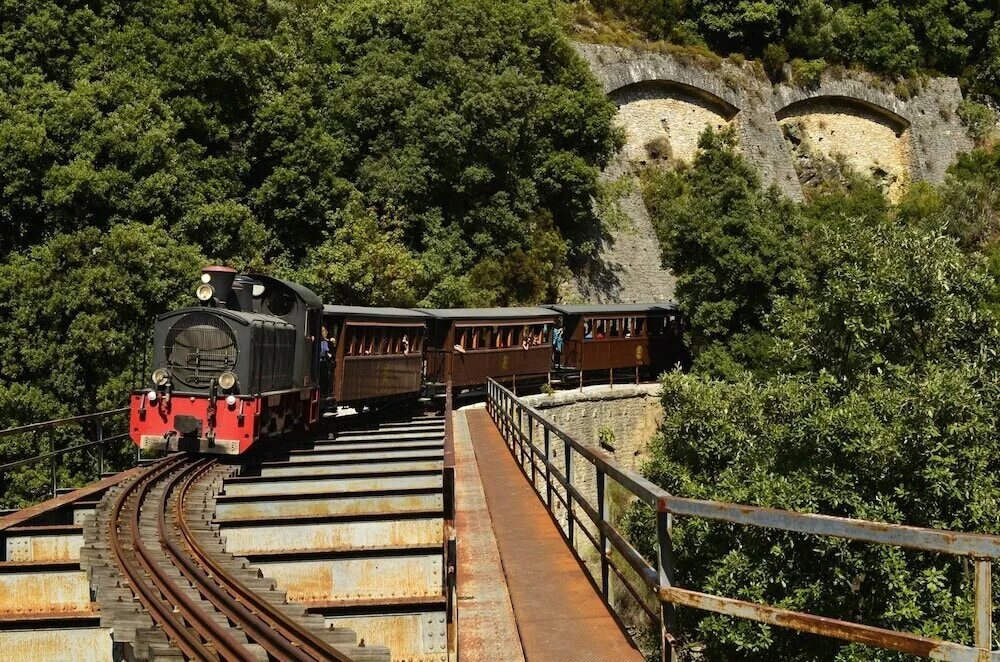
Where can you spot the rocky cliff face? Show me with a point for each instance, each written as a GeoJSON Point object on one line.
{"type": "Point", "coordinates": [795, 136]}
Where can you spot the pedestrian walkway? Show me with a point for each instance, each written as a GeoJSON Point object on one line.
{"type": "Point", "coordinates": [557, 611]}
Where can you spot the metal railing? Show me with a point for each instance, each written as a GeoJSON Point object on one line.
{"type": "Point", "coordinates": [99, 442]}
{"type": "Point", "coordinates": [518, 423]}
{"type": "Point", "coordinates": [450, 534]}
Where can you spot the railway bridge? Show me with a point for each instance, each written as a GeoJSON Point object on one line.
{"type": "Point", "coordinates": [487, 533]}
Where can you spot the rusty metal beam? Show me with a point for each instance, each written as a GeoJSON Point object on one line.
{"type": "Point", "coordinates": [829, 627]}
{"type": "Point", "coordinates": [929, 540]}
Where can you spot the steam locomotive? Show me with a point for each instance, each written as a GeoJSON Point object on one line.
{"type": "Point", "coordinates": [258, 355]}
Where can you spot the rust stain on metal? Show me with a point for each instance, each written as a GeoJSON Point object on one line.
{"type": "Point", "coordinates": [346, 579]}
{"type": "Point", "coordinates": [829, 627]}
{"type": "Point", "coordinates": [35, 592]}
{"type": "Point", "coordinates": [554, 603]}
{"type": "Point", "coordinates": [347, 469]}
{"type": "Point", "coordinates": [27, 514]}
{"type": "Point", "coordinates": [44, 548]}
{"type": "Point", "coordinates": [333, 536]}
{"type": "Point", "coordinates": [376, 505]}
{"type": "Point", "coordinates": [333, 485]}
{"type": "Point", "coordinates": [421, 635]}
{"type": "Point", "coordinates": [77, 644]}
{"type": "Point", "coordinates": [488, 631]}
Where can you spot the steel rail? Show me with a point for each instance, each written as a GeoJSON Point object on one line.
{"type": "Point", "coordinates": [263, 622]}
{"type": "Point", "coordinates": [186, 638]}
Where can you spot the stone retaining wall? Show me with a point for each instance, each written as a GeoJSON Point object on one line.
{"type": "Point", "coordinates": [665, 101]}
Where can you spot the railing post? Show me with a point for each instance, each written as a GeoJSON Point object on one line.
{"type": "Point", "coordinates": [531, 451]}
{"type": "Point", "coordinates": [510, 420]}
{"type": "Point", "coordinates": [984, 604]}
{"type": "Point", "coordinates": [521, 436]}
{"type": "Point", "coordinates": [605, 551]}
{"type": "Point", "coordinates": [100, 448]}
{"type": "Point", "coordinates": [568, 450]}
{"type": "Point", "coordinates": [548, 467]}
{"type": "Point", "coordinates": [53, 466]}
{"type": "Point", "coordinates": [665, 569]}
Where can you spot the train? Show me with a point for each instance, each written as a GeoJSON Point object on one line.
{"type": "Point", "coordinates": [258, 357]}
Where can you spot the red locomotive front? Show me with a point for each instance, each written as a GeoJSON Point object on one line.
{"type": "Point", "coordinates": [234, 370]}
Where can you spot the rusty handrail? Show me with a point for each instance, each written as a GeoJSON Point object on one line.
{"type": "Point", "coordinates": [45, 425]}
{"type": "Point", "coordinates": [54, 454]}
{"type": "Point", "coordinates": [512, 416]}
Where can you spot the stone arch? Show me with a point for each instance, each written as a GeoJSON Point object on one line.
{"type": "Point", "coordinates": [664, 118]}
{"type": "Point", "coordinates": [870, 137]}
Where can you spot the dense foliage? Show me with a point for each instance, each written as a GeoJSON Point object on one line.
{"type": "Point", "coordinates": [246, 128]}
{"type": "Point", "coordinates": [894, 37]}
{"type": "Point", "coordinates": [74, 326]}
{"type": "Point", "coordinates": [845, 364]}
{"type": "Point", "coordinates": [381, 152]}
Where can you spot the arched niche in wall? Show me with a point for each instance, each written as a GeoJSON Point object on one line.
{"type": "Point", "coordinates": [663, 119]}
{"type": "Point", "coordinates": [867, 138]}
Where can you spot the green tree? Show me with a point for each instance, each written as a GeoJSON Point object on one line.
{"type": "Point", "coordinates": [75, 318]}
{"type": "Point", "coordinates": [904, 446]}
{"type": "Point", "coordinates": [732, 246]}
{"type": "Point", "coordinates": [243, 127]}
{"type": "Point", "coordinates": [361, 263]}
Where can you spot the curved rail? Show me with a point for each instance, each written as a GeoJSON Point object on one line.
{"type": "Point", "coordinates": [264, 623]}
{"type": "Point", "coordinates": [191, 640]}
{"type": "Point", "coordinates": [189, 626]}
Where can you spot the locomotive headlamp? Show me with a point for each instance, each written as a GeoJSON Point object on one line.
{"type": "Point", "coordinates": [206, 278]}
{"type": "Point", "coordinates": [227, 380]}
{"type": "Point", "coordinates": [204, 292]}
{"type": "Point", "coordinates": [161, 377]}
{"type": "Point", "coordinates": [152, 396]}
{"type": "Point", "coordinates": [231, 400]}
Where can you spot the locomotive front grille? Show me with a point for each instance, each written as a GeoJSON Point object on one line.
{"type": "Point", "coordinates": [199, 348]}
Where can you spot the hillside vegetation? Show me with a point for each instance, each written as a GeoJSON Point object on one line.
{"type": "Point", "coordinates": [845, 363]}
{"type": "Point", "coordinates": [891, 37]}
{"type": "Point", "coordinates": [426, 151]}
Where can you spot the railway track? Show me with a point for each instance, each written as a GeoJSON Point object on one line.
{"type": "Point", "coordinates": [167, 555]}
{"type": "Point", "coordinates": [332, 546]}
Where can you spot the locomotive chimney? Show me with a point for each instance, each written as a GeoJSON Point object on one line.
{"type": "Point", "coordinates": [242, 296]}
{"type": "Point", "coordinates": [221, 280]}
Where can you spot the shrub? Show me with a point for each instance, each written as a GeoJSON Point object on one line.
{"type": "Point", "coordinates": [980, 119]}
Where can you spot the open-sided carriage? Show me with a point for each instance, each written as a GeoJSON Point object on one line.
{"type": "Point", "coordinates": [374, 354]}
{"type": "Point", "coordinates": [473, 344]}
{"type": "Point", "coordinates": [642, 337]}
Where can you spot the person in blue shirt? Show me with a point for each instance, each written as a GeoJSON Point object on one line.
{"type": "Point", "coordinates": [557, 344]}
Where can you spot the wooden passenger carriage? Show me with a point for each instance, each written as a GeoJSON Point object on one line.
{"type": "Point", "coordinates": [643, 337]}
{"type": "Point", "coordinates": [377, 353]}
{"type": "Point", "coordinates": [508, 344]}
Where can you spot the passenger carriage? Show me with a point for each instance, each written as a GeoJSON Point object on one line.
{"type": "Point", "coordinates": [473, 344]}
{"type": "Point", "coordinates": [643, 337]}
{"type": "Point", "coordinates": [377, 354]}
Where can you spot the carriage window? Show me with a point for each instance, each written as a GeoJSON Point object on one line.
{"type": "Point", "coordinates": [639, 324]}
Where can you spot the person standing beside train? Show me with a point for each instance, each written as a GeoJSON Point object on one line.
{"type": "Point", "coordinates": [557, 344]}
